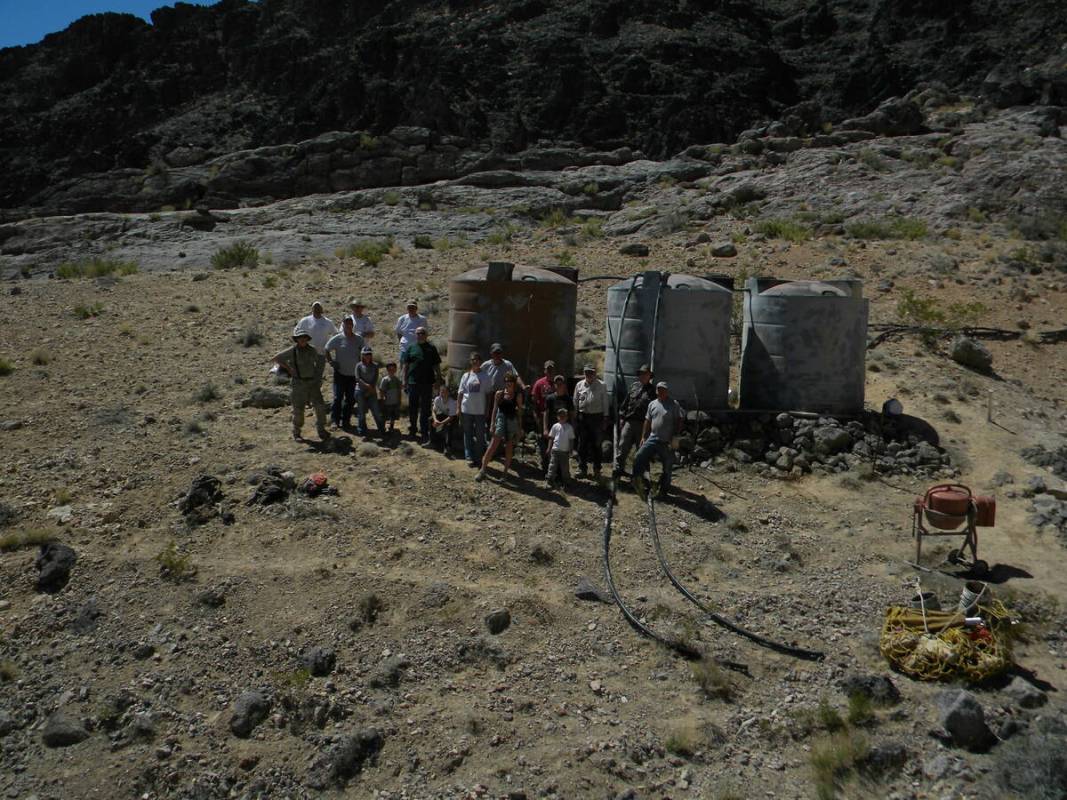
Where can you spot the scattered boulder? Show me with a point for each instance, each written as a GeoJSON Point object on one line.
{"type": "Point", "coordinates": [389, 673]}
{"type": "Point", "coordinates": [587, 590]}
{"type": "Point", "coordinates": [266, 397]}
{"type": "Point", "coordinates": [63, 730]}
{"type": "Point", "coordinates": [963, 718]}
{"type": "Point", "coordinates": [540, 554]}
{"type": "Point", "coordinates": [634, 249]}
{"type": "Point", "coordinates": [201, 502]}
{"type": "Point", "coordinates": [319, 661]}
{"type": "Point", "coordinates": [55, 561]}
{"type": "Point", "coordinates": [883, 759]}
{"type": "Point", "coordinates": [498, 621]}
{"type": "Point", "coordinates": [7, 724]}
{"type": "Point", "coordinates": [213, 597]}
{"type": "Point", "coordinates": [876, 688]}
{"type": "Point", "coordinates": [250, 709]}
{"type": "Point", "coordinates": [724, 250]}
{"type": "Point", "coordinates": [894, 117]}
{"type": "Point", "coordinates": [85, 620]}
{"type": "Point", "coordinates": [972, 354]}
{"type": "Point", "coordinates": [1024, 694]}
{"type": "Point", "coordinates": [829, 439]}
{"type": "Point", "coordinates": [344, 758]}
{"type": "Point", "coordinates": [61, 514]}
{"type": "Point", "coordinates": [368, 609]}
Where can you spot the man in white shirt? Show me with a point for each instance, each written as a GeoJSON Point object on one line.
{"type": "Point", "coordinates": [590, 403]}
{"type": "Point", "coordinates": [361, 322]}
{"type": "Point", "coordinates": [319, 326]}
{"type": "Point", "coordinates": [406, 325]}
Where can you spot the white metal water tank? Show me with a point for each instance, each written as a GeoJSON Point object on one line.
{"type": "Point", "coordinates": [803, 346]}
{"type": "Point", "coordinates": [689, 320]}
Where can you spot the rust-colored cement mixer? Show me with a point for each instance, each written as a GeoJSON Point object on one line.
{"type": "Point", "coordinates": [950, 509]}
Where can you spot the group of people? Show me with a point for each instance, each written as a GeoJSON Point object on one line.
{"type": "Point", "coordinates": [491, 405]}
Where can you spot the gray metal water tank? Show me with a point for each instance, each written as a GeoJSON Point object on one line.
{"type": "Point", "coordinates": [530, 311]}
{"type": "Point", "coordinates": [803, 346]}
{"type": "Point", "coordinates": [691, 332]}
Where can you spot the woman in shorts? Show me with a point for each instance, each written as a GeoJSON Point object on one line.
{"type": "Point", "coordinates": [506, 423]}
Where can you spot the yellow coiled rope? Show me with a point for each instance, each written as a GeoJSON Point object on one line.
{"type": "Point", "coordinates": [942, 648]}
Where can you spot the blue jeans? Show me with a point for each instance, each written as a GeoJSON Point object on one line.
{"type": "Point", "coordinates": [473, 436]}
{"type": "Point", "coordinates": [653, 448]}
{"type": "Point", "coordinates": [344, 389]}
{"type": "Point", "coordinates": [420, 398]}
{"type": "Point", "coordinates": [363, 402]}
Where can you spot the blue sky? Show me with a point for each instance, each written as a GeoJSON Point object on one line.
{"type": "Point", "coordinates": [29, 21]}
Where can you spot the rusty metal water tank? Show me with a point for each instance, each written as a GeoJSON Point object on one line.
{"type": "Point", "coordinates": [690, 318]}
{"type": "Point", "coordinates": [803, 346]}
{"type": "Point", "coordinates": [530, 311]}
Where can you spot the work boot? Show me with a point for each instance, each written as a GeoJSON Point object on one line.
{"type": "Point", "coordinates": [480, 476]}
{"type": "Point", "coordinates": [324, 434]}
{"type": "Point", "coordinates": [640, 488]}
{"type": "Point", "coordinates": [296, 435]}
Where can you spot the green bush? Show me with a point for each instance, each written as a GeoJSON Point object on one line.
{"type": "Point", "coordinates": [501, 234]}
{"type": "Point", "coordinates": [555, 218]}
{"type": "Point", "coordinates": [593, 228]}
{"type": "Point", "coordinates": [370, 251]}
{"type": "Point", "coordinates": [86, 312]}
{"type": "Point", "coordinates": [908, 228]}
{"type": "Point", "coordinates": [206, 393]}
{"type": "Point", "coordinates": [790, 230]}
{"type": "Point", "coordinates": [174, 566]}
{"type": "Point", "coordinates": [95, 268]}
{"type": "Point", "coordinates": [238, 255]}
{"type": "Point", "coordinates": [391, 198]}
{"type": "Point", "coordinates": [6, 367]}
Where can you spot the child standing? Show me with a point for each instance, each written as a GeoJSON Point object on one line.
{"type": "Point", "coordinates": [561, 438]}
{"type": "Point", "coordinates": [390, 392]}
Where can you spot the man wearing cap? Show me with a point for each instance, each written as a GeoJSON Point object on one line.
{"type": "Point", "coordinates": [342, 353]}
{"type": "Point", "coordinates": [367, 392]}
{"type": "Point", "coordinates": [305, 365]}
{"type": "Point", "coordinates": [496, 368]}
{"type": "Point", "coordinates": [632, 414]}
{"type": "Point", "coordinates": [406, 326]}
{"type": "Point", "coordinates": [663, 421]}
{"type": "Point", "coordinates": [422, 369]}
{"type": "Point", "coordinates": [319, 326]}
{"type": "Point", "coordinates": [590, 403]}
{"type": "Point", "coordinates": [360, 321]}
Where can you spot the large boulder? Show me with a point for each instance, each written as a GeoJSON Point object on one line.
{"type": "Point", "coordinates": [55, 561]}
{"type": "Point", "coordinates": [972, 354]}
{"type": "Point", "coordinates": [63, 730]}
{"type": "Point", "coordinates": [344, 758]}
{"type": "Point", "coordinates": [250, 709]}
{"type": "Point", "coordinates": [963, 718]}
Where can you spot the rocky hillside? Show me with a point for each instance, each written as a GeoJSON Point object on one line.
{"type": "Point", "coordinates": [113, 94]}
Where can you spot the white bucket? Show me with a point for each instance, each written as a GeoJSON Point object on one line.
{"type": "Point", "coordinates": [969, 597]}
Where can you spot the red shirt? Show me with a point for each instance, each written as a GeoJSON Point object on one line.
{"type": "Point", "coordinates": [542, 387]}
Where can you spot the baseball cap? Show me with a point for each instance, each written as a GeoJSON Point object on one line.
{"type": "Point", "coordinates": [496, 348]}
{"type": "Point", "coordinates": [663, 385]}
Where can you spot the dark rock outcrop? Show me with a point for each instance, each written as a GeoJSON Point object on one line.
{"type": "Point", "coordinates": [117, 114]}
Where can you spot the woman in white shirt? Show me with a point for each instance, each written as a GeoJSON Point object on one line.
{"type": "Point", "coordinates": [473, 393]}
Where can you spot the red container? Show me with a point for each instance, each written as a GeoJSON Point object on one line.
{"type": "Point", "coordinates": [986, 515]}
{"type": "Point", "coordinates": [949, 499]}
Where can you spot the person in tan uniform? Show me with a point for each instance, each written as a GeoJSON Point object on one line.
{"type": "Point", "coordinates": [305, 366]}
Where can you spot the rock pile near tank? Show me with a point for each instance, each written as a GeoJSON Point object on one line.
{"type": "Point", "coordinates": [785, 445]}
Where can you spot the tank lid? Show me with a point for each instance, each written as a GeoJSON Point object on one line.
{"type": "Point", "coordinates": [518, 273]}
{"type": "Point", "coordinates": [676, 281]}
{"type": "Point", "coordinates": [806, 289]}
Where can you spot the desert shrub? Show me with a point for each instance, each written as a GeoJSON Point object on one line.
{"type": "Point", "coordinates": [713, 682]}
{"type": "Point", "coordinates": [872, 160]}
{"type": "Point", "coordinates": [1033, 766]}
{"type": "Point", "coordinates": [790, 230]}
{"type": "Point", "coordinates": [555, 218]}
{"type": "Point", "coordinates": [18, 540]}
{"type": "Point", "coordinates": [238, 255]}
{"type": "Point", "coordinates": [40, 356]}
{"type": "Point", "coordinates": [206, 393]}
{"type": "Point", "coordinates": [6, 367]}
{"type": "Point", "coordinates": [423, 241]}
{"type": "Point", "coordinates": [834, 759]}
{"type": "Point", "coordinates": [928, 312]}
{"type": "Point", "coordinates": [173, 565]}
{"type": "Point", "coordinates": [501, 234]}
{"type": "Point", "coordinates": [565, 259]}
{"type": "Point", "coordinates": [95, 268]}
{"type": "Point", "coordinates": [368, 450]}
{"type": "Point", "coordinates": [193, 427]}
{"type": "Point", "coordinates": [860, 709]}
{"type": "Point", "coordinates": [251, 338]}
{"type": "Point", "coordinates": [908, 228]}
{"type": "Point", "coordinates": [391, 198]}
{"type": "Point", "coordinates": [88, 311]}
{"type": "Point", "coordinates": [270, 281]}
{"type": "Point", "coordinates": [292, 679]}
{"type": "Point", "coordinates": [593, 228]}
{"type": "Point", "coordinates": [683, 740]}
{"type": "Point", "coordinates": [371, 251]}
{"type": "Point", "coordinates": [9, 673]}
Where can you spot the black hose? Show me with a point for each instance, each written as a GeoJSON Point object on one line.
{"type": "Point", "coordinates": [601, 278]}
{"type": "Point", "coordinates": [796, 652]}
